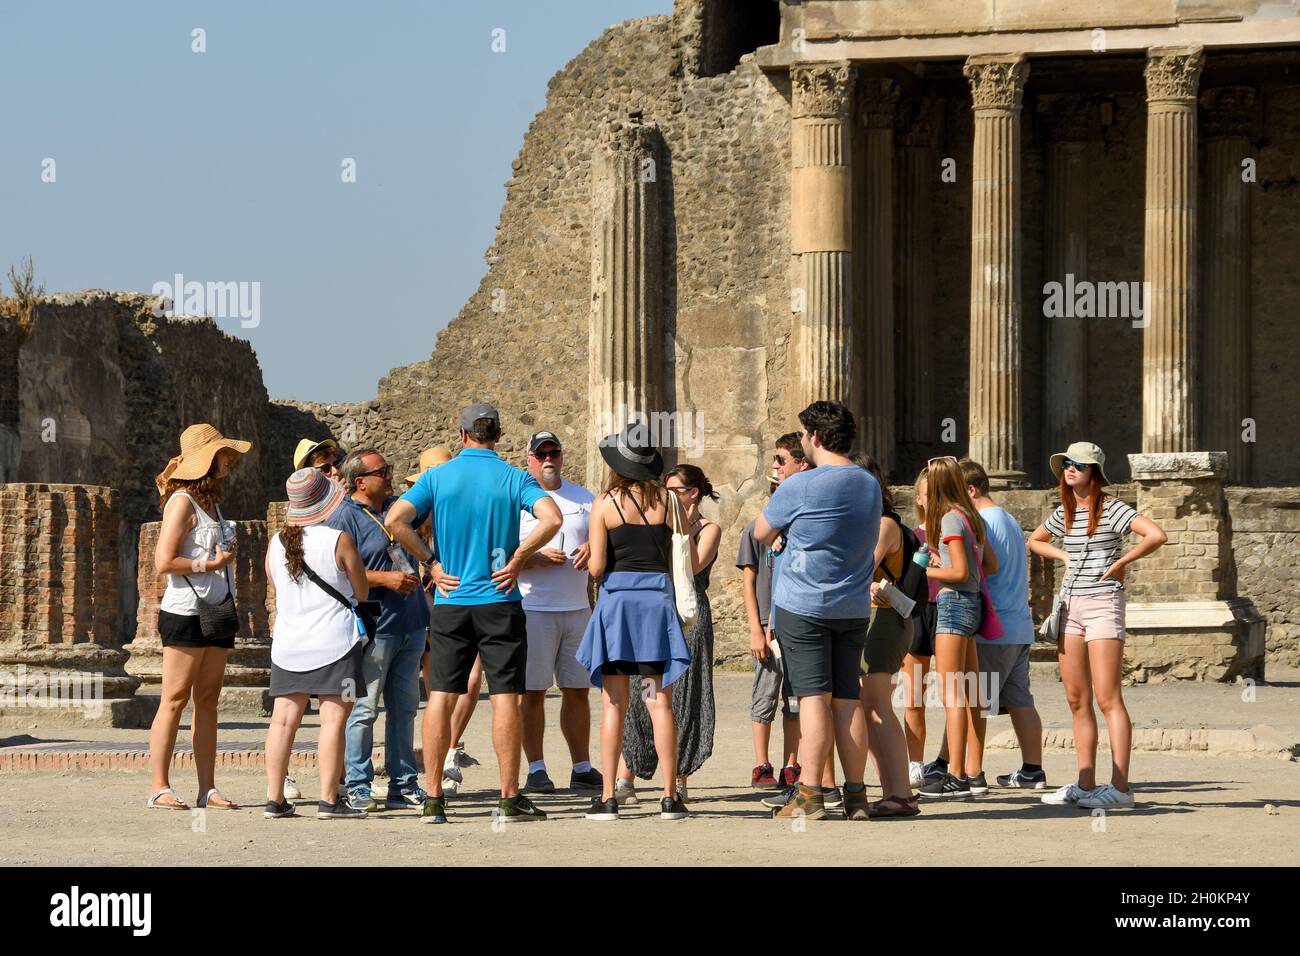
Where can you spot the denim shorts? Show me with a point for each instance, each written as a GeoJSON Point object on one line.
{"type": "Point", "coordinates": [959, 613]}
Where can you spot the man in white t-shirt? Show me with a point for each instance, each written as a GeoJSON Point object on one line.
{"type": "Point", "coordinates": [554, 584]}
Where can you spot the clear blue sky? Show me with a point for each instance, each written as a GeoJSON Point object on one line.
{"type": "Point", "coordinates": [225, 165]}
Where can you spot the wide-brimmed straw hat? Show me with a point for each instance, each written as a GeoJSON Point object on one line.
{"type": "Point", "coordinates": [199, 445]}
{"type": "Point", "coordinates": [1085, 453]}
{"type": "Point", "coordinates": [313, 496]}
{"type": "Point", "coordinates": [631, 455]}
{"type": "Point", "coordinates": [308, 445]}
{"type": "Point", "coordinates": [430, 458]}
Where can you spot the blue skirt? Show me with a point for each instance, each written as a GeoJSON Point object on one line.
{"type": "Point", "coordinates": [635, 620]}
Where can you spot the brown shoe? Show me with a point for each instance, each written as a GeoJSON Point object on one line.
{"type": "Point", "coordinates": [856, 805]}
{"type": "Point", "coordinates": [807, 803]}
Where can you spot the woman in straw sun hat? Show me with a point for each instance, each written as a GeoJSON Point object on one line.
{"type": "Point", "coordinates": [318, 642]}
{"type": "Point", "coordinates": [195, 549]}
{"type": "Point", "coordinates": [1092, 526]}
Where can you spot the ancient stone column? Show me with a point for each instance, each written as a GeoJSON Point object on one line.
{"type": "Point", "coordinates": [1169, 338]}
{"type": "Point", "coordinates": [996, 422]}
{"type": "Point", "coordinates": [626, 363]}
{"type": "Point", "coordinates": [918, 177]}
{"type": "Point", "coordinates": [821, 233]}
{"type": "Point", "coordinates": [61, 659]}
{"type": "Point", "coordinates": [1068, 127]}
{"type": "Point", "coordinates": [1228, 114]}
{"type": "Point", "coordinates": [873, 240]}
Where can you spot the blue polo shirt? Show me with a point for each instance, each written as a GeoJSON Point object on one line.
{"type": "Point", "coordinates": [401, 614]}
{"type": "Point", "coordinates": [1009, 588]}
{"type": "Point", "coordinates": [475, 500]}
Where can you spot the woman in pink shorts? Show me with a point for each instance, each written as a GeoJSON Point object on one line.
{"type": "Point", "coordinates": [1093, 527]}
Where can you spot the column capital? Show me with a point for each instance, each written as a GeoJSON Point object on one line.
{"type": "Point", "coordinates": [822, 89]}
{"type": "Point", "coordinates": [630, 135]}
{"type": "Point", "coordinates": [1068, 117]}
{"type": "Point", "coordinates": [1228, 111]}
{"type": "Point", "coordinates": [997, 81]}
{"type": "Point", "coordinates": [1173, 73]}
{"type": "Point", "coordinates": [877, 105]}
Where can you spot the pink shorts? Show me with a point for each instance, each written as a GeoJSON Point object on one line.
{"type": "Point", "coordinates": [1097, 617]}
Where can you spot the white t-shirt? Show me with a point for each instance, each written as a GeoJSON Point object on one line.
{"type": "Point", "coordinates": [559, 587]}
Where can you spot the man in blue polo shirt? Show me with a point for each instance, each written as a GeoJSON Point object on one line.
{"type": "Point", "coordinates": [392, 660]}
{"type": "Point", "coordinates": [475, 500]}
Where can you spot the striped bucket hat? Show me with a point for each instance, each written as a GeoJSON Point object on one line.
{"type": "Point", "coordinates": [312, 497]}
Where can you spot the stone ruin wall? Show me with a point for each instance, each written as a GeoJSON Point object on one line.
{"type": "Point", "coordinates": [115, 412]}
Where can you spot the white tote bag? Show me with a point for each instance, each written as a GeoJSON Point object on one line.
{"type": "Point", "coordinates": [681, 568]}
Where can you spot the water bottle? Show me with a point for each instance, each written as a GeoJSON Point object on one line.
{"type": "Point", "coordinates": [921, 556]}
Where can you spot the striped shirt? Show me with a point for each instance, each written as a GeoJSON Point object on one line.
{"type": "Point", "coordinates": [1102, 550]}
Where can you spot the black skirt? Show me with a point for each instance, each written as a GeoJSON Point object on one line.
{"type": "Point", "coordinates": [183, 630]}
{"type": "Point", "coordinates": [344, 676]}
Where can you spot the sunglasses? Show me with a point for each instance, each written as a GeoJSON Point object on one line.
{"type": "Point", "coordinates": [385, 472]}
{"type": "Point", "coordinates": [543, 455]}
{"type": "Point", "coordinates": [1076, 465]}
{"type": "Point", "coordinates": [781, 459]}
{"type": "Point", "coordinates": [327, 467]}
{"type": "Point", "coordinates": [930, 463]}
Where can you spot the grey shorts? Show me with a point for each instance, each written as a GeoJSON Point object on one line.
{"type": "Point", "coordinates": [1007, 670]}
{"type": "Point", "coordinates": [769, 677]}
{"type": "Point", "coordinates": [553, 639]}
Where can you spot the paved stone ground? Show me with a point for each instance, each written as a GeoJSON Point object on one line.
{"type": "Point", "coordinates": [1193, 809]}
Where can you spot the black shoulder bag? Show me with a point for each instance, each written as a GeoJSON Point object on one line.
{"type": "Point", "coordinates": [218, 622]}
{"type": "Point", "coordinates": [365, 610]}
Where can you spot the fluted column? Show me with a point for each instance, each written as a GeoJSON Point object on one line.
{"type": "Point", "coordinates": [821, 227]}
{"type": "Point", "coordinates": [873, 243]}
{"type": "Point", "coordinates": [626, 365]}
{"type": "Point", "coordinates": [918, 175]}
{"type": "Point", "coordinates": [1169, 339]}
{"type": "Point", "coordinates": [1068, 127]}
{"type": "Point", "coordinates": [1225, 383]}
{"type": "Point", "coordinates": [996, 422]}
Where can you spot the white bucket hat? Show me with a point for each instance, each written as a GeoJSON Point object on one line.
{"type": "Point", "coordinates": [1085, 453]}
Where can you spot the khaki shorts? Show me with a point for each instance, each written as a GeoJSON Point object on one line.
{"type": "Point", "coordinates": [1096, 617]}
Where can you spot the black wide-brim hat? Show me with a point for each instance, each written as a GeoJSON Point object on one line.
{"type": "Point", "coordinates": [631, 455]}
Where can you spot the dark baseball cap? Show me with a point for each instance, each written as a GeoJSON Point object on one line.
{"type": "Point", "coordinates": [541, 438]}
{"type": "Point", "coordinates": [472, 413]}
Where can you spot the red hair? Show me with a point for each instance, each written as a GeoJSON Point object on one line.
{"type": "Point", "coordinates": [1069, 501]}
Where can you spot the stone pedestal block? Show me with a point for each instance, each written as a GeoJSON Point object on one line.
{"type": "Point", "coordinates": [1185, 620]}
{"type": "Point", "coordinates": [61, 660]}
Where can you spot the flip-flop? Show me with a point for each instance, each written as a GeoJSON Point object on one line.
{"type": "Point", "coordinates": [153, 804]}
{"type": "Point", "coordinates": [221, 803]}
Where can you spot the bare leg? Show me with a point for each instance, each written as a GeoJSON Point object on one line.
{"type": "Point", "coordinates": [914, 671]}
{"type": "Point", "coordinates": [885, 735]}
{"type": "Point", "coordinates": [180, 669]}
{"type": "Point", "coordinates": [435, 736]}
{"type": "Point", "coordinates": [1029, 732]}
{"type": "Point", "coordinates": [975, 723]}
{"type": "Point", "coordinates": [950, 664]}
{"type": "Point", "coordinates": [506, 740]}
{"type": "Point", "coordinates": [790, 730]}
{"type": "Point", "coordinates": [762, 740]}
{"type": "Point", "coordinates": [286, 717]}
{"type": "Point", "coordinates": [532, 712]}
{"type": "Point", "coordinates": [815, 734]}
{"type": "Point", "coordinates": [660, 705]}
{"type": "Point", "coordinates": [575, 721]}
{"type": "Point", "coordinates": [465, 705]}
{"type": "Point", "coordinates": [1105, 661]}
{"type": "Point", "coordinates": [614, 699]}
{"type": "Point", "coordinates": [206, 693]}
{"type": "Point", "coordinates": [1072, 655]}
{"type": "Point", "coordinates": [334, 712]}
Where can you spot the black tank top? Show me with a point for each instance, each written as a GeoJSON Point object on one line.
{"type": "Point", "coordinates": [638, 547]}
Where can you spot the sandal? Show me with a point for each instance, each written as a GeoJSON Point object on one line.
{"type": "Point", "coordinates": [220, 803]}
{"type": "Point", "coordinates": [893, 807]}
{"type": "Point", "coordinates": [176, 802]}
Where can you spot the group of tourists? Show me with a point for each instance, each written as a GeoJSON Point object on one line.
{"type": "Point", "coordinates": [520, 577]}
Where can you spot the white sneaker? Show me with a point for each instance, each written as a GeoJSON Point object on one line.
{"type": "Point", "coordinates": [916, 774]}
{"type": "Point", "coordinates": [1069, 794]}
{"type": "Point", "coordinates": [1106, 797]}
{"type": "Point", "coordinates": [625, 794]}
{"type": "Point", "coordinates": [291, 791]}
{"type": "Point", "coordinates": [462, 759]}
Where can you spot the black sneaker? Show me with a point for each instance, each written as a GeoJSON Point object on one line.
{"type": "Point", "coordinates": [275, 810]}
{"type": "Point", "coordinates": [777, 800]}
{"type": "Point", "coordinates": [434, 810]}
{"type": "Point", "coordinates": [587, 780]}
{"type": "Point", "coordinates": [946, 786]}
{"type": "Point", "coordinates": [833, 799]}
{"type": "Point", "coordinates": [1024, 780]}
{"type": "Point", "coordinates": [978, 785]}
{"type": "Point", "coordinates": [539, 782]}
{"type": "Point", "coordinates": [340, 809]}
{"type": "Point", "coordinates": [517, 809]}
{"type": "Point", "coordinates": [671, 808]}
{"type": "Point", "coordinates": [603, 810]}
{"type": "Point", "coordinates": [933, 771]}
